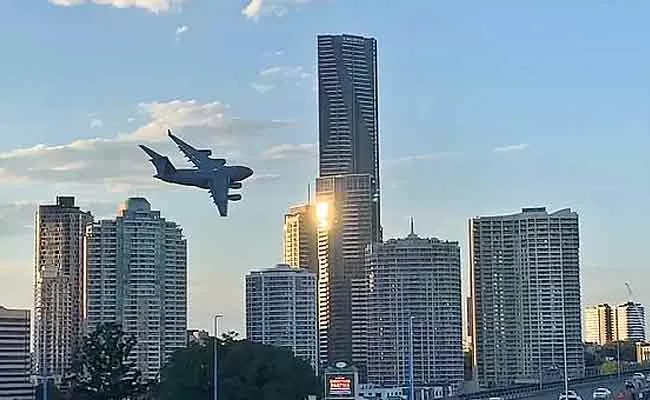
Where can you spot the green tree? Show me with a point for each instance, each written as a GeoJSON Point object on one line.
{"type": "Point", "coordinates": [102, 370]}
{"type": "Point", "coordinates": [247, 371]}
{"type": "Point", "coordinates": [608, 368]}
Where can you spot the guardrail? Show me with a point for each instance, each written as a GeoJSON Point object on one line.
{"type": "Point", "coordinates": [519, 391]}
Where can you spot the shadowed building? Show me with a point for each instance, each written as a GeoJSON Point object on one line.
{"type": "Point", "coordinates": [58, 285]}
{"type": "Point", "coordinates": [15, 357]}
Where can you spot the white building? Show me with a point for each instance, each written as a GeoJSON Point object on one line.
{"type": "Point", "coordinates": [136, 272]}
{"type": "Point", "coordinates": [300, 237]}
{"type": "Point", "coordinates": [525, 286]}
{"type": "Point", "coordinates": [15, 357]}
{"type": "Point", "coordinates": [420, 279]}
{"type": "Point", "coordinates": [630, 322]}
{"type": "Point", "coordinates": [281, 310]}
{"type": "Point", "coordinates": [58, 285]}
{"type": "Point", "coordinates": [599, 324]}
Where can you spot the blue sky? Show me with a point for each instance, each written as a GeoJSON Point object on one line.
{"type": "Point", "coordinates": [562, 88]}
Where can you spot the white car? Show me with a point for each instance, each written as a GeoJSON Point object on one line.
{"type": "Point", "coordinates": [602, 394]}
{"type": "Point", "coordinates": [572, 395]}
{"type": "Point", "coordinates": [638, 375]}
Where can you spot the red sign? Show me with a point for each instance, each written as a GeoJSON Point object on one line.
{"type": "Point", "coordinates": [340, 386]}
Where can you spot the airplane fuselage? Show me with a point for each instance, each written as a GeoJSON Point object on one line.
{"type": "Point", "coordinates": [202, 179]}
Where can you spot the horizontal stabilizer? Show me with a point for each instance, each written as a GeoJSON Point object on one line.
{"type": "Point", "coordinates": [151, 153]}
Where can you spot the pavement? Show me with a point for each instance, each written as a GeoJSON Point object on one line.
{"type": "Point", "coordinates": [585, 391]}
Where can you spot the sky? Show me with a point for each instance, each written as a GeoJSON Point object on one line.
{"type": "Point", "coordinates": [485, 108]}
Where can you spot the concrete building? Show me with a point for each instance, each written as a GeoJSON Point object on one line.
{"type": "Point", "coordinates": [345, 221]}
{"type": "Point", "coordinates": [525, 286]}
{"type": "Point", "coordinates": [599, 324]}
{"type": "Point", "coordinates": [281, 310]}
{"type": "Point", "coordinates": [15, 356]}
{"type": "Point", "coordinates": [415, 278]}
{"type": "Point", "coordinates": [300, 244]}
{"type": "Point", "coordinates": [630, 322]}
{"type": "Point", "coordinates": [136, 273]}
{"type": "Point", "coordinates": [348, 112]}
{"type": "Point", "coordinates": [58, 285]}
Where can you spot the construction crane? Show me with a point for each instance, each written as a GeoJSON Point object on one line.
{"type": "Point", "coordinates": [629, 292]}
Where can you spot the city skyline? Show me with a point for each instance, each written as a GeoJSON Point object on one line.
{"type": "Point", "coordinates": [458, 108]}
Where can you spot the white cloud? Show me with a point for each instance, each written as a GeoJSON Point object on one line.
{"type": "Point", "coordinates": [181, 30]}
{"type": "Point", "coordinates": [271, 77]}
{"type": "Point", "coordinates": [421, 157]}
{"type": "Point", "coordinates": [154, 6]}
{"type": "Point", "coordinates": [96, 123]}
{"type": "Point", "coordinates": [512, 147]}
{"type": "Point", "coordinates": [259, 8]}
{"type": "Point", "coordinates": [117, 161]}
{"type": "Point", "coordinates": [284, 151]}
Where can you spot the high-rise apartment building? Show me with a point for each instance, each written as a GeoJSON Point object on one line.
{"type": "Point", "coordinates": [344, 214]}
{"type": "Point", "coordinates": [136, 273]}
{"type": "Point", "coordinates": [15, 356]}
{"type": "Point", "coordinates": [420, 279]}
{"type": "Point", "coordinates": [599, 324]}
{"type": "Point", "coordinates": [58, 285]}
{"type": "Point", "coordinates": [300, 244]}
{"type": "Point", "coordinates": [281, 310]}
{"type": "Point", "coordinates": [525, 286]}
{"type": "Point", "coordinates": [630, 322]}
{"type": "Point", "coordinates": [348, 111]}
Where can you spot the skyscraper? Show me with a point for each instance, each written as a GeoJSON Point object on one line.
{"type": "Point", "coordinates": [630, 322]}
{"type": "Point", "coordinates": [348, 111]}
{"type": "Point", "coordinates": [300, 244]}
{"type": "Point", "coordinates": [58, 285]}
{"type": "Point", "coordinates": [599, 324]}
{"type": "Point", "coordinates": [525, 277]}
{"type": "Point", "coordinates": [15, 357]}
{"type": "Point", "coordinates": [281, 310]}
{"type": "Point", "coordinates": [136, 272]}
{"type": "Point", "coordinates": [418, 278]}
{"type": "Point", "coordinates": [344, 214]}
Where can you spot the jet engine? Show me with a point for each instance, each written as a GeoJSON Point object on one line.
{"type": "Point", "coordinates": [234, 197]}
{"type": "Point", "coordinates": [236, 185]}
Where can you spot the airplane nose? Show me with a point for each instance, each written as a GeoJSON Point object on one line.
{"type": "Point", "coordinates": [247, 172]}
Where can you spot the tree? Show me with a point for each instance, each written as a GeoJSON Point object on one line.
{"type": "Point", "coordinates": [102, 370]}
{"type": "Point", "coordinates": [247, 371]}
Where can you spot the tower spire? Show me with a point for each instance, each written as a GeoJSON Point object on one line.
{"type": "Point", "coordinates": [412, 227]}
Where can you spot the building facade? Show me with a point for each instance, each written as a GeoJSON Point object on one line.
{"type": "Point", "coordinates": [419, 279]}
{"type": "Point", "coordinates": [281, 310]}
{"type": "Point", "coordinates": [15, 356]}
{"type": "Point", "coordinates": [525, 286]}
{"type": "Point", "coordinates": [136, 272]}
{"type": "Point", "coordinates": [58, 286]}
{"type": "Point", "coordinates": [630, 322]}
{"type": "Point", "coordinates": [345, 220]}
{"type": "Point", "coordinates": [599, 324]}
{"type": "Point", "coordinates": [300, 233]}
{"type": "Point", "coordinates": [348, 111]}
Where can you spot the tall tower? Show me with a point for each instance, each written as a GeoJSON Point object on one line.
{"type": "Point", "coordinates": [415, 278]}
{"type": "Point", "coordinates": [281, 310]}
{"type": "Point", "coordinates": [525, 286]}
{"type": "Point", "coordinates": [630, 322]}
{"type": "Point", "coordinates": [300, 244]}
{"type": "Point", "coordinates": [348, 111]}
{"type": "Point", "coordinates": [136, 271]}
{"type": "Point", "coordinates": [58, 285]}
{"type": "Point", "coordinates": [599, 324]}
{"type": "Point", "coordinates": [15, 367]}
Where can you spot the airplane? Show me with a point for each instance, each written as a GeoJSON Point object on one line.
{"type": "Point", "coordinates": [210, 173]}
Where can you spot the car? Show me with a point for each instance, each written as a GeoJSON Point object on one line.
{"type": "Point", "coordinates": [569, 395]}
{"type": "Point", "coordinates": [495, 398]}
{"type": "Point", "coordinates": [638, 375]}
{"type": "Point", "coordinates": [602, 394]}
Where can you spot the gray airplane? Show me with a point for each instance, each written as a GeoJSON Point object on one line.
{"type": "Point", "coordinates": [210, 173]}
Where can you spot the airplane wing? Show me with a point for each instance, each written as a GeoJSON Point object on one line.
{"type": "Point", "coordinates": [200, 158]}
{"type": "Point", "coordinates": [219, 186]}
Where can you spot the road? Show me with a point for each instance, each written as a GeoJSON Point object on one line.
{"type": "Point", "coordinates": [585, 391]}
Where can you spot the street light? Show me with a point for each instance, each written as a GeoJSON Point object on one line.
{"type": "Point", "coordinates": [215, 358]}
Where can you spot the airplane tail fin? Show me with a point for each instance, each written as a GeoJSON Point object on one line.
{"type": "Point", "coordinates": [162, 164]}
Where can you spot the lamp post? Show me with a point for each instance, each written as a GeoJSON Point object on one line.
{"type": "Point", "coordinates": [215, 358]}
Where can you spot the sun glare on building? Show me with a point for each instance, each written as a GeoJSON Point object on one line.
{"type": "Point", "coordinates": [322, 214]}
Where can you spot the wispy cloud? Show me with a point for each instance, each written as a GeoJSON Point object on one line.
{"type": "Point", "coordinates": [509, 148]}
{"type": "Point", "coordinates": [260, 8]}
{"type": "Point", "coordinates": [154, 6]}
{"type": "Point", "coordinates": [284, 151]}
{"type": "Point", "coordinates": [181, 30]}
{"type": "Point", "coordinates": [421, 157]}
{"type": "Point", "coordinates": [96, 123]}
{"type": "Point", "coordinates": [117, 162]}
{"type": "Point", "coordinates": [271, 77]}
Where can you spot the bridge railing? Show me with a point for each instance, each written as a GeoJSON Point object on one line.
{"type": "Point", "coordinates": [519, 391]}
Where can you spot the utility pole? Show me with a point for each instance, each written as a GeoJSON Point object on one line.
{"type": "Point", "coordinates": [215, 375]}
